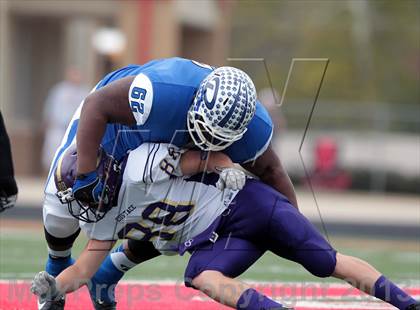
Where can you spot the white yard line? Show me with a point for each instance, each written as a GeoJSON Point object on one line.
{"type": "Point", "coordinates": [343, 305]}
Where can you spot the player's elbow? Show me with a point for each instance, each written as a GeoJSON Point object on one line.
{"type": "Point", "coordinates": [92, 106]}
{"type": "Point", "coordinates": [90, 101]}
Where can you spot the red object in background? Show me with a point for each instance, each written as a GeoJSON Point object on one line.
{"type": "Point", "coordinates": [327, 173]}
{"type": "Point", "coordinates": [145, 30]}
{"type": "Point", "coordinates": [325, 155]}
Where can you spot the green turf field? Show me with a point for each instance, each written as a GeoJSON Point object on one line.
{"type": "Point", "coordinates": [23, 253]}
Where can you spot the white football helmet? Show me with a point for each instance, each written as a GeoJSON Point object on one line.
{"type": "Point", "coordinates": [223, 106]}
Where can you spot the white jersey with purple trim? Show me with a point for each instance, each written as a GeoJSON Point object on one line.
{"type": "Point", "coordinates": [156, 204]}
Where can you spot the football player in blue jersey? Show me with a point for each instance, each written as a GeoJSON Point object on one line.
{"type": "Point", "coordinates": [225, 230]}
{"type": "Point", "coordinates": [176, 101]}
{"type": "Point", "coordinates": [182, 102]}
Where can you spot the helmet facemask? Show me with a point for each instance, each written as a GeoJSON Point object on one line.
{"type": "Point", "coordinates": [109, 170]}
{"type": "Point", "coordinates": [207, 138]}
{"type": "Point", "coordinates": [88, 213]}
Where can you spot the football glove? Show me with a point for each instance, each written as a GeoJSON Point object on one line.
{"type": "Point", "coordinates": [45, 287]}
{"type": "Point", "coordinates": [231, 178]}
{"type": "Point", "coordinates": [8, 193]}
{"type": "Point", "coordinates": [88, 188]}
{"type": "Point", "coordinates": [7, 202]}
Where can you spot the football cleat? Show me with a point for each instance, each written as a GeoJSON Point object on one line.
{"type": "Point", "coordinates": [102, 305]}
{"type": "Point", "coordinates": [415, 306]}
{"type": "Point", "coordinates": [51, 304]}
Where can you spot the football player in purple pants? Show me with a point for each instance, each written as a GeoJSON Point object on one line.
{"type": "Point", "coordinates": [226, 221]}
{"type": "Point", "coordinates": [173, 100]}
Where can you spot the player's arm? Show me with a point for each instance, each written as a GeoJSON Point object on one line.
{"type": "Point", "coordinates": [159, 163]}
{"type": "Point", "coordinates": [256, 155]}
{"type": "Point", "coordinates": [109, 104]}
{"type": "Point", "coordinates": [269, 169]}
{"type": "Point", "coordinates": [193, 162]}
{"type": "Point", "coordinates": [85, 266]}
{"type": "Point", "coordinates": [47, 287]}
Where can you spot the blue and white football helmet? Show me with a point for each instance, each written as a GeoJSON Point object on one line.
{"type": "Point", "coordinates": [223, 106]}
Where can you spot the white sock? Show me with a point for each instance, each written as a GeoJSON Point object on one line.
{"type": "Point", "coordinates": [60, 254]}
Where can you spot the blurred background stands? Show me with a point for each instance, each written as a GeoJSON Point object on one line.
{"type": "Point", "coordinates": [41, 38]}
{"type": "Point", "coordinates": [369, 102]}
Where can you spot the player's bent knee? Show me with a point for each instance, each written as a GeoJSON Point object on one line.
{"type": "Point", "coordinates": [60, 227]}
{"type": "Point", "coordinates": [140, 251]}
{"type": "Point", "coordinates": [324, 265]}
{"type": "Point", "coordinates": [60, 244]}
{"type": "Point", "coordinates": [202, 281]}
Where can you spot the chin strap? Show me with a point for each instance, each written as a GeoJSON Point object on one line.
{"type": "Point", "coordinates": [65, 196]}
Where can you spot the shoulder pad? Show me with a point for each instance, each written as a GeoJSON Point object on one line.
{"type": "Point", "coordinates": [140, 98]}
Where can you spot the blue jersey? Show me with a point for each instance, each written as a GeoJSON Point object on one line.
{"type": "Point", "coordinates": [160, 97]}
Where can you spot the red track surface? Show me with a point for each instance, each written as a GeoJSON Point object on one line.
{"type": "Point", "coordinates": [15, 295]}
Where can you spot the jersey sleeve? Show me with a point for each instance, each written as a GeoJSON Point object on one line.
{"type": "Point", "coordinates": [140, 98]}
{"type": "Point", "coordinates": [256, 139]}
{"type": "Point", "coordinates": [152, 163]}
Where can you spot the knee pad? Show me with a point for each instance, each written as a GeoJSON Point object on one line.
{"type": "Point", "coordinates": [56, 243]}
{"type": "Point", "coordinates": [142, 250]}
{"type": "Point", "coordinates": [59, 226]}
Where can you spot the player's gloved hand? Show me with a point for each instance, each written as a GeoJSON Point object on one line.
{"type": "Point", "coordinates": [45, 287]}
{"type": "Point", "coordinates": [88, 188]}
{"type": "Point", "coordinates": [8, 193]}
{"type": "Point", "coordinates": [231, 178]}
{"type": "Point", "coordinates": [7, 202]}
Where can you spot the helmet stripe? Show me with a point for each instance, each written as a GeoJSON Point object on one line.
{"type": "Point", "coordinates": [214, 88]}
{"type": "Point", "coordinates": [244, 111]}
{"type": "Point", "coordinates": [223, 122]}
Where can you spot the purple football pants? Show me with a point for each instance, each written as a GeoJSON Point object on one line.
{"type": "Point", "coordinates": [261, 219]}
